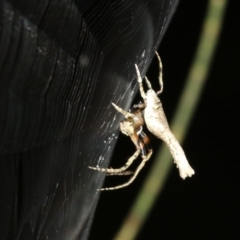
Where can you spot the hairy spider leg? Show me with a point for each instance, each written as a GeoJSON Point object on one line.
{"type": "Point", "coordinates": [115, 171]}
{"type": "Point", "coordinates": [141, 147]}
{"type": "Point", "coordinates": [144, 146]}
{"type": "Point", "coordinates": [133, 177]}
{"type": "Point", "coordinates": [124, 173]}
{"type": "Point", "coordinates": [125, 113]}
{"type": "Point", "coordinates": [160, 73]}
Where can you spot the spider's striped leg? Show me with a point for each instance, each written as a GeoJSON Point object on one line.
{"type": "Point", "coordinates": [141, 141]}
{"type": "Point", "coordinates": [116, 171]}
{"type": "Point", "coordinates": [146, 142]}
{"type": "Point", "coordinates": [144, 160]}
{"type": "Point", "coordinates": [125, 173]}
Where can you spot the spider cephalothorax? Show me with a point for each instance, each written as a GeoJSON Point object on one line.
{"type": "Point", "coordinates": [151, 114]}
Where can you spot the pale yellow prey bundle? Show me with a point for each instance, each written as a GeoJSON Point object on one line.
{"type": "Point", "coordinates": [157, 124]}
{"type": "Point", "coordinates": [150, 113]}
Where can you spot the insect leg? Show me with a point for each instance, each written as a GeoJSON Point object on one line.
{"type": "Point", "coordinates": [125, 113]}
{"type": "Point", "coordinates": [143, 94]}
{"type": "Point", "coordinates": [133, 177]}
{"type": "Point", "coordinates": [148, 83]}
{"type": "Point", "coordinates": [115, 171]}
{"type": "Point", "coordinates": [160, 74]}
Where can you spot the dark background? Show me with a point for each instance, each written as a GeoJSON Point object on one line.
{"type": "Point", "coordinates": [207, 205]}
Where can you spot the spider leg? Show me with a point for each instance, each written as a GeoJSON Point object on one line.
{"type": "Point", "coordinates": [116, 171]}
{"type": "Point", "coordinates": [125, 173]}
{"type": "Point", "coordinates": [160, 73]}
{"type": "Point", "coordinates": [125, 113]}
{"type": "Point", "coordinates": [140, 141]}
{"type": "Point", "coordinates": [144, 160]}
{"type": "Point", "coordinates": [143, 94]}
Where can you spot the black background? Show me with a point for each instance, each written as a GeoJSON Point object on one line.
{"type": "Point", "coordinates": [207, 205]}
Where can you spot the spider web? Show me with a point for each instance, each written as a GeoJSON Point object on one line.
{"type": "Point", "coordinates": [62, 64]}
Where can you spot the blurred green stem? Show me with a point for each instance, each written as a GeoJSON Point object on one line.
{"type": "Point", "coordinates": [163, 163]}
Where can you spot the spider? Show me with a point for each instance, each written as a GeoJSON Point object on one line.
{"type": "Point", "coordinates": [132, 127]}
{"type": "Point", "coordinates": [150, 113]}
